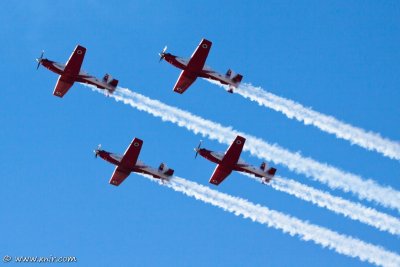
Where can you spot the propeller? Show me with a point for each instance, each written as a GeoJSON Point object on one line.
{"type": "Point", "coordinates": [162, 54]}
{"type": "Point", "coordinates": [197, 149]}
{"type": "Point", "coordinates": [96, 151]}
{"type": "Point", "coordinates": [39, 59]}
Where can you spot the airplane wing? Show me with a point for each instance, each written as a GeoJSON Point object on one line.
{"type": "Point", "coordinates": [119, 176]}
{"type": "Point", "coordinates": [128, 161]}
{"type": "Point", "coordinates": [74, 62]}
{"type": "Point", "coordinates": [71, 70]}
{"type": "Point", "coordinates": [184, 81]}
{"type": "Point", "coordinates": [219, 174]}
{"type": "Point", "coordinates": [195, 65]}
{"type": "Point", "coordinates": [228, 162]}
{"type": "Point", "coordinates": [131, 155]}
{"type": "Point", "coordinates": [233, 153]}
{"type": "Point", "coordinates": [198, 59]}
{"type": "Point", "coordinates": [62, 86]}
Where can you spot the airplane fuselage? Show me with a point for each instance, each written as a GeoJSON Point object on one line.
{"type": "Point", "coordinates": [58, 68]}
{"type": "Point", "coordinates": [139, 166]}
{"type": "Point", "coordinates": [206, 72]}
{"type": "Point", "coordinates": [239, 166]}
{"type": "Point", "coordinates": [82, 77]}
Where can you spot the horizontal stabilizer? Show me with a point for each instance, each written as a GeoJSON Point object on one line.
{"type": "Point", "coordinates": [114, 83]}
{"type": "Point", "coordinates": [271, 171]}
{"type": "Point", "coordinates": [110, 80]}
{"type": "Point", "coordinates": [169, 172]}
{"type": "Point", "coordinates": [165, 170]}
{"type": "Point", "coordinates": [237, 79]}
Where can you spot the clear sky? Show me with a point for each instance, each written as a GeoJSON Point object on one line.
{"type": "Point", "coordinates": [340, 58]}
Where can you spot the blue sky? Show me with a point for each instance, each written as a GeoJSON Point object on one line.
{"type": "Point", "coordinates": [342, 59]}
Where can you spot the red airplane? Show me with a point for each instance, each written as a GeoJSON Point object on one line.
{"type": "Point", "coordinates": [71, 72]}
{"type": "Point", "coordinates": [129, 162]}
{"type": "Point", "coordinates": [230, 161]}
{"type": "Point", "coordinates": [194, 67]}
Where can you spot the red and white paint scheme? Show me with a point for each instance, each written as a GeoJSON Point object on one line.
{"type": "Point", "coordinates": [127, 163]}
{"type": "Point", "coordinates": [195, 67]}
{"type": "Point", "coordinates": [71, 72]}
{"type": "Point", "coordinates": [230, 161]}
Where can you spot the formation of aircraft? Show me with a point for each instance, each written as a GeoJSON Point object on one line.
{"type": "Point", "coordinates": [71, 72]}
{"type": "Point", "coordinates": [129, 162]}
{"type": "Point", "coordinates": [230, 161]}
{"type": "Point", "coordinates": [195, 67]}
{"type": "Point", "coordinates": [192, 68]}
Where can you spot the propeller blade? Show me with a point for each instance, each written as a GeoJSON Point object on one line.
{"type": "Point", "coordinates": [96, 151]}
{"type": "Point", "coordinates": [162, 54]}
{"type": "Point", "coordinates": [201, 141]}
{"type": "Point", "coordinates": [197, 149]}
{"type": "Point", "coordinates": [39, 59]}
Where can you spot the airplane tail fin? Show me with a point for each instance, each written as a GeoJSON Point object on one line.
{"type": "Point", "coordinates": [271, 171]}
{"type": "Point", "coordinates": [235, 78]}
{"type": "Point", "coordinates": [263, 166]}
{"type": "Point", "coordinates": [110, 80]}
{"type": "Point", "coordinates": [164, 169]}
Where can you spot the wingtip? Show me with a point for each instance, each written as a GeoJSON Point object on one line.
{"type": "Point", "coordinates": [78, 46]}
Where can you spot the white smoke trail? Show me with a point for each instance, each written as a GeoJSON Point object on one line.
{"type": "Point", "coordinates": [324, 173]}
{"type": "Point", "coordinates": [355, 135]}
{"type": "Point", "coordinates": [340, 243]}
{"type": "Point", "coordinates": [354, 211]}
